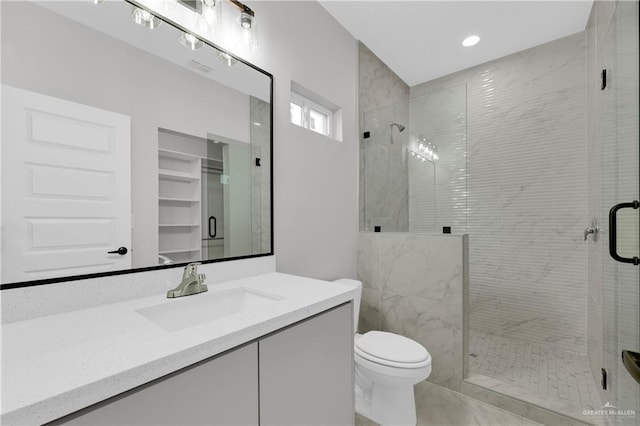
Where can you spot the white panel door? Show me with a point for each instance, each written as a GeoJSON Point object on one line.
{"type": "Point", "coordinates": [66, 191]}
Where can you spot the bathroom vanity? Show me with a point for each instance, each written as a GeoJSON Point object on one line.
{"type": "Point", "coordinates": [282, 353]}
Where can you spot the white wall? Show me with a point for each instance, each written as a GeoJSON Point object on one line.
{"type": "Point", "coordinates": [315, 176]}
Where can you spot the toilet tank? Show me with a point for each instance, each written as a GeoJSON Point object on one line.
{"type": "Point", "coordinates": [356, 303]}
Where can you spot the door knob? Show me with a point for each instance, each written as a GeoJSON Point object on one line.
{"type": "Point", "coordinates": [121, 251]}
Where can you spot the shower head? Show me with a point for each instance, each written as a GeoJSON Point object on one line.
{"type": "Point", "coordinates": [400, 129]}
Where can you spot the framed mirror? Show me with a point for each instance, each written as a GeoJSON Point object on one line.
{"type": "Point", "coordinates": [126, 148]}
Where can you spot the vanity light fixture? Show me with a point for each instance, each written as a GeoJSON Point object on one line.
{"type": "Point", "coordinates": [470, 41]}
{"type": "Point", "coordinates": [190, 41]}
{"type": "Point", "coordinates": [145, 18]}
{"type": "Point", "coordinates": [248, 39]}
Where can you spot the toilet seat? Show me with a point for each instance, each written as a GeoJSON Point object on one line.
{"type": "Point", "coordinates": [392, 350]}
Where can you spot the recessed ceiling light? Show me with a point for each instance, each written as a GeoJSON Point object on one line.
{"type": "Point", "coordinates": [470, 41]}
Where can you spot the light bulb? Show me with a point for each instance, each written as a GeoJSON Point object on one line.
{"type": "Point", "coordinates": [247, 38]}
{"type": "Point", "coordinates": [208, 19]}
{"type": "Point", "coordinates": [246, 20]}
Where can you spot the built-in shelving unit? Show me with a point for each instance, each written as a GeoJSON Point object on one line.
{"type": "Point", "coordinates": [179, 221]}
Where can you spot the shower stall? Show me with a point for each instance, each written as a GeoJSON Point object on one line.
{"type": "Point", "coordinates": [527, 154]}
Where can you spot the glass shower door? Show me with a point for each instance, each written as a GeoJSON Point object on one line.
{"type": "Point", "coordinates": [618, 140]}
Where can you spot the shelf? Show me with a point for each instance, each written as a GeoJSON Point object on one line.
{"type": "Point", "coordinates": [178, 200]}
{"type": "Point", "coordinates": [175, 154]}
{"type": "Point", "coordinates": [178, 251]}
{"type": "Point", "coordinates": [169, 174]}
{"type": "Point", "coordinates": [178, 225]}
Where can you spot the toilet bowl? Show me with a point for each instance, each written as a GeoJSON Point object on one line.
{"type": "Point", "coordinates": [387, 366]}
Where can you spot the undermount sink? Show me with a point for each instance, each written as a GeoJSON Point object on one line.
{"type": "Point", "coordinates": [202, 308]}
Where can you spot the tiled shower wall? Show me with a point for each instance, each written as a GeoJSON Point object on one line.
{"type": "Point", "coordinates": [414, 286]}
{"type": "Point", "coordinates": [383, 99]}
{"type": "Point", "coordinates": [527, 192]}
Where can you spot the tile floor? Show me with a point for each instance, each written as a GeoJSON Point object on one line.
{"type": "Point", "coordinates": [553, 374]}
{"type": "Point", "coordinates": [438, 406]}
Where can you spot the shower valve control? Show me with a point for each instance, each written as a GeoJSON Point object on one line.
{"type": "Point", "coordinates": [592, 230]}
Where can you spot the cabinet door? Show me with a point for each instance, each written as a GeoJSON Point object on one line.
{"type": "Point", "coordinates": [219, 391]}
{"type": "Point", "coordinates": [306, 372]}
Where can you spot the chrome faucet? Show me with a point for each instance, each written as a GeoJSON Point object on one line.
{"type": "Point", "coordinates": [192, 282]}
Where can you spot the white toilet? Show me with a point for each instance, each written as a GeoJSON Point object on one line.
{"type": "Point", "coordinates": [387, 366]}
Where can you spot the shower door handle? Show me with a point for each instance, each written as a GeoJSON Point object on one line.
{"type": "Point", "coordinates": [613, 232]}
{"type": "Point", "coordinates": [215, 227]}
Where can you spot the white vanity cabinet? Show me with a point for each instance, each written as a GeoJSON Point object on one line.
{"type": "Point", "coordinates": [301, 374]}
{"type": "Point", "coordinates": [306, 372]}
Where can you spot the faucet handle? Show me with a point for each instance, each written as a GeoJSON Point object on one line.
{"type": "Point", "coordinates": [191, 269]}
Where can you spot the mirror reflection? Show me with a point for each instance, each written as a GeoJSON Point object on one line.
{"type": "Point", "coordinates": [125, 147]}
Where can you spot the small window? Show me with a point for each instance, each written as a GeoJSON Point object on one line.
{"type": "Point", "coordinates": [314, 113]}
{"type": "Point", "coordinates": [296, 114]}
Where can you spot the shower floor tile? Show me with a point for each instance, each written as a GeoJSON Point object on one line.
{"type": "Point", "coordinates": [548, 372]}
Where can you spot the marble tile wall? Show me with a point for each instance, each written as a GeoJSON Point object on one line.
{"type": "Point", "coordinates": [527, 192]}
{"type": "Point", "coordinates": [413, 286]}
{"type": "Point", "coordinates": [383, 99]}
{"type": "Point", "coordinates": [260, 118]}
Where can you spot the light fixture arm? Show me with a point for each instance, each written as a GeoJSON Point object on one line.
{"type": "Point", "coordinates": [243, 7]}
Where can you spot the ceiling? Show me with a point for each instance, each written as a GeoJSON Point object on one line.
{"type": "Point", "coordinates": [421, 40]}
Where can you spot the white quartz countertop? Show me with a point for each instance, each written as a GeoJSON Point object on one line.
{"type": "Point", "coordinates": [55, 365]}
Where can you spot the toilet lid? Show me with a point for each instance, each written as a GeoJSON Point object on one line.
{"type": "Point", "coordinates": [391, 347]}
